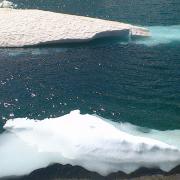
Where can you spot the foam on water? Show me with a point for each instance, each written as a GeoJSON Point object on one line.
{"type": "Point", "coordinates": [84, 140]}
{"type": "Point", "coordinates": [161, 35]}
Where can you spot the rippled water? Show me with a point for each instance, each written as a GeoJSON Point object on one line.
{"type": "Point", "coordinates": [154, 12]}
{"type": "Point", "coordinates": [136, 82]}
{"type": "Point", "coordinates": [131, 83]}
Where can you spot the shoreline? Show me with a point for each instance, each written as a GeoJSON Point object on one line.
{"type": "Point", "coordinates": [58, 171]}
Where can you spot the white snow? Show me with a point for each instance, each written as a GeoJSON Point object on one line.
{"type": "Point", "coordinates": [84, 140]}
{"type": "Point", "coordinates": [20, 28]}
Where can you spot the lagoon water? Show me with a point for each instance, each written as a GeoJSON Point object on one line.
{"type": "Point", "coordinates": [135, 82]}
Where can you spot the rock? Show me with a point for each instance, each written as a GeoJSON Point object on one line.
{"type": "Point", "coordinates": [21, 28]}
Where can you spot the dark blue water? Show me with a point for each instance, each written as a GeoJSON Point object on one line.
{"type": "Point", "coordinates": [124, 82]}
{"type": "Point", "coordinates": [132, 83]}
{"type": "Point", "coordinates": [135, 82]}
{"type": "Point", "coordinates": [154, 12]}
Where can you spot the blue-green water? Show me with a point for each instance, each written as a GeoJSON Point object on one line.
{"type": "Point", "coordinates": [137, 82]}
{"type": "Point", "coordinates": [154, 12]}
{"type": "Point", "coordinates": [129, 83]}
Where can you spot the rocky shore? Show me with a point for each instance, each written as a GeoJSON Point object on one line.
{"type": "Point", "coordinates": [59, 172]}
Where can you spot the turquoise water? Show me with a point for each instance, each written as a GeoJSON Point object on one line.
{"type": "Point", "coordinates": [136, 82]}
{"type": "Point", "coordinates": [130, 83]}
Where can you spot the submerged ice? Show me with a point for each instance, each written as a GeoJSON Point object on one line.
{"type": "Point", "coordinates": [85, 140]}
{"type": "Point", "coordinates": [161, 35]}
